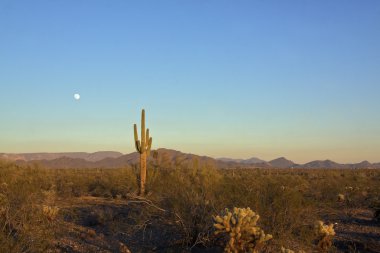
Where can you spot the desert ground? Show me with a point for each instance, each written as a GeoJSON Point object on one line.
{"type": "Point", "coordinates": [101, 210]}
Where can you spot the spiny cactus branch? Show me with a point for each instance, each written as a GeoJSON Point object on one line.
{"type": "Point", "coordinates": [143, 128]}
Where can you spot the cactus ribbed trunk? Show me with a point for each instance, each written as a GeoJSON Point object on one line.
{"type": "Point", "coordinates": [142, 172]}
{"type": "Point", "coordinates": [143, 148]}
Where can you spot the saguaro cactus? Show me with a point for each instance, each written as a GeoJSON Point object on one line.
{"type": "Point", "coordinates": [143, 148]}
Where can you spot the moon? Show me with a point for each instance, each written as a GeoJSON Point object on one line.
{"type": "Point", "coordinates": [76, 96]}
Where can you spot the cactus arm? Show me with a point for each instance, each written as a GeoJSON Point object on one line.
{"type": "Point", "coordinates": [149, 143]}
{"type": "Point", "coordinates": [143, 143]}
{"type": "Point", "coordinates": [138, 146]}
{"type": "Point", "coordinates": [135, 132]}
{"type": "Point", "coordinates": [137, 142]}
{"type": "Point", "coordinates": [147, 137]}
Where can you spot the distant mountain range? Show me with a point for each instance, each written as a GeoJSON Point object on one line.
{"type": "Point", "coordinates": [164, 157]}
{"type": "Point", "coordinates": [92, 157]}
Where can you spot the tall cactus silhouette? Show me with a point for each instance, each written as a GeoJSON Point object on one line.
{"type": "Point", "coordinates": [143, 148]}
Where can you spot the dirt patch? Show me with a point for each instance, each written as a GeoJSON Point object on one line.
{"type": "Point", "coordinates": [357, 232]}
{"type": "Point", "coordinates": [100, 225]}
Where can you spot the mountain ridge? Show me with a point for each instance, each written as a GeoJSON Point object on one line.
{"type": "Point", "coordinates": [282, 162]}
{"type": "Point", "coordinates": [94, 156]}
{"type": "Point", "coordinates": [113, 159]}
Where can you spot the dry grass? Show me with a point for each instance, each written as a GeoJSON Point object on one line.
{"type": "Point", "coordinates": [178, 209]}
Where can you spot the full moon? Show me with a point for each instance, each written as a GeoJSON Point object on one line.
{"type": "Point", "coordinates": [76, 96]}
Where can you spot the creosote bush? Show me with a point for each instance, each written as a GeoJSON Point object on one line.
{"type": "Point", "coordinates": [240, 226]}
{"type": "Point", "coordinates": [23, 224]}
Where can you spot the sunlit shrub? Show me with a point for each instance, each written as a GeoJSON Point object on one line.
{"type": "Point", "coordinates": [23, 226]}
{"type": "Point", "coordinates": [50, 212]}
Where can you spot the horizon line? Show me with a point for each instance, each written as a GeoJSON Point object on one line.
{"type": "Point", "coordinates": [214, 157]}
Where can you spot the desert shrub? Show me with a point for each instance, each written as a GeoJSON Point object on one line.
{"type": "Point", "coordinates": [99, 216]}
{"type": "Point", "coordinates": [94, 182]}
{"type": "Point", "coordinates": [23, 223]}
{"type": "Point", "coordinates": [376, 215]}
{"type": "Point", "coordinates": [99, 188]}
{"type": "Point", "coordinates": [241, 189]}
{"type": "Point", "coordinates": [50, 212]}
{"type": "Point", "coordinates": [375, 205]}
{"type": "Point", "coordinates": [285, 210]}
{"type": "Point", "coordinates": [189, 195]}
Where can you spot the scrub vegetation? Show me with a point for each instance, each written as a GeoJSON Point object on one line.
{"type": "Point", "coordinates": [100, 210]}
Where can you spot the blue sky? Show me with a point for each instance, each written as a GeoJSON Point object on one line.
{"type": "Point", "coordinates": [299, 79]}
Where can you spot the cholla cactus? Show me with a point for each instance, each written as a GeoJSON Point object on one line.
{"type": "Point", "coordinates": [50, 212]}
{"type": "Point", "coordinates": [123, 248]}
{"type": "Point", "coordinates": [325, 235]}
{"type": "Point", "coordinates": [284, 250]}
{"type": "Point", "coordinates": [341, 197]}
{"type": "Point", "coordinates": [241, 227]}
{"type": "Point", "coordinates": [350, 188]}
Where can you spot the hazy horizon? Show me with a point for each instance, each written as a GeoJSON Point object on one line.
{"type": "Point", "coordinates": [195, 153]}
{"type": "Point", "coordinates": [297, 79]}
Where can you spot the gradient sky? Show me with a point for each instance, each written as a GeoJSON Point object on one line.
{"type": "Point", "coordinates": [299, 79]}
